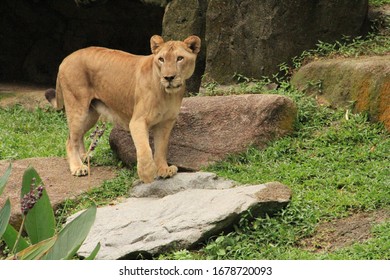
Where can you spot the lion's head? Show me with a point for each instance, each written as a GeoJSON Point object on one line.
{"type": "Point", "coordinates": [174, 61]}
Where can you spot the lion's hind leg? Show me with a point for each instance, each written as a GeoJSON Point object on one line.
{"type": "Point", "coordinates": [80, 120]}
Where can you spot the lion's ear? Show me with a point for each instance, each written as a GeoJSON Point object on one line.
{"type": "Point", "coordinates": [156, 42]}
{"type": "Point", "coordinates": [193, 42]}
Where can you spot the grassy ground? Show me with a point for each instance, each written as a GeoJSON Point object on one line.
{"type": "Point", "coordinates": [335, 167]}
{"type": "Point", "coordinates": [336, 163]}
{"type": "Point", "coordinates": [25, 134]}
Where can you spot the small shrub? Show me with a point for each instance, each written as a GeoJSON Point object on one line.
{"type": "Point", "coordinates": [38, 221]}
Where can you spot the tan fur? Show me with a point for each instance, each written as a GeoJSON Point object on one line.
{"type": "Point", "coordinates": [140, 93]}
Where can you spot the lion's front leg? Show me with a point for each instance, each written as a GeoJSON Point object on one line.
{"type": "Point", "coordinates": [161, 133]}
{"type": "Point", "coordinates": [145, 165]}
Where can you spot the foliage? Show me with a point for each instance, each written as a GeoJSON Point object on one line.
{"type": "Point", "coordinates": [372, 44]}
{"type": "Point", "coordinates": [378, 2]}
{"type": "Point", "coordinates": [38, 220]}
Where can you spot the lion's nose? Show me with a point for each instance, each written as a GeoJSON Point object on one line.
{"type": "Point", "coordinates": [169, 78]}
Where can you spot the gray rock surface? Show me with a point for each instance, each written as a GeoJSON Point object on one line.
{"type": "Point", "coordinates": [183, 181]}
{"type": "Point", "coordinates": [252, 38]}
{"type": "Point", "coordinates": [152, 225]}
{"type": "Point", "coordinates": [210, 128]}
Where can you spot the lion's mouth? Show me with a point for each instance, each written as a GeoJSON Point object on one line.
{"type": "Point", "coordinates": [173, 85]}
{"type": "Point", "coordinates": [170, 86]}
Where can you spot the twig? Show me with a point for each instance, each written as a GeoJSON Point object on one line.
{"type": "Point", "coordinates": [95, 136]}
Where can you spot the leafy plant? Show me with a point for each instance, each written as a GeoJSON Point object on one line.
{"type": "Point", "coordinates": [39, 223]}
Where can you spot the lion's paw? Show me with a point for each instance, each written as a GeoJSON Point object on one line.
{"type": "Point", "coordinates": [81, 171]}
{"type": "Point", "coordinates": [168, 171]}
{"type": "Point", "coordinates": [147, 171]}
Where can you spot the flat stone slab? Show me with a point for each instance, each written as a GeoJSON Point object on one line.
{"type": "Point", "coordinates": [182, 181]}
{"type": "Point", "coordinates": [59, 182]}
{"type": "Point", "coordinates": [180, 219]}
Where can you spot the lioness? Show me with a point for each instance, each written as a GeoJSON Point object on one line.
{"type": "Point", "coordinates": [140, 93]}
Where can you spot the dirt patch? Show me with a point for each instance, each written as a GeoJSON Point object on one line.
{"type": "Point", "coordinates": [344, 232]}
{"type": "Point", "coordinates": [55, 174]}
{"type": "Point", "coordinates": [28, 95]}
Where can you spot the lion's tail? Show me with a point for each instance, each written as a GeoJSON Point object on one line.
{"type": "Point", "coordinates": [55, 98]}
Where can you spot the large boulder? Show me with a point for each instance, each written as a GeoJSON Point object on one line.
{"type": "Point", "coordinates": [363, 83]}
{"type": "Point", "coordinates": [210, 128]}
{"type": "Point", "coordinates": [252, 38]}
{"type": "Point", "coordinates": [178, 219]}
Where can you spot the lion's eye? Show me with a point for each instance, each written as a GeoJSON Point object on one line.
{"type": "Point", "coordinates": [161, 59]}
{"type": "Point", "coordinates": [180, 58]}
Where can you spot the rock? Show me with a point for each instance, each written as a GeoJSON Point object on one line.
{"type": "Point", "coordinates": [363, 83]}
{"type": "Point", "coordinates": [210, 128]}
{"type": "Point", "coordinates": [183, 181]}
{"type": "Point", "coordinates": [59, 183]}
{"type": "Point", "coordinates": [150, 226]}
{"type": "Point", "coordinates": [252, 37]}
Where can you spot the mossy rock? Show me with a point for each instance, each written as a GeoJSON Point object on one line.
{"type": "Point", "coordinates": [360, 83]}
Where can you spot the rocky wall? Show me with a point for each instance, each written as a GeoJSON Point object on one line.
{"type": "Point", "coordinates": [252, 38]}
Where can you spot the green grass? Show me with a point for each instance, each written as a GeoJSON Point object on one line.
{"type": "Point", "coordinates": [334, 170]}
{"type": "Point", "coordinates": [37, 133]}
{"type": "Point", "coordinates": [41, 133]}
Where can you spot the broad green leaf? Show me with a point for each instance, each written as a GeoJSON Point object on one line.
{"type": "Point", "coordinates": [36, 251]}
{"type": "Point", "coordinates": [5, 213]}
{"type": "Point", "coordinates": [40, 221]}
{"type": "Point", "coordinates": [4, 178]}
{"type": "Point", "coordinates": [10, 235]}
{"type": "Point", "coordinates": [72, 236]}
{"type": "Point", "coordinates": [94, 253]}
